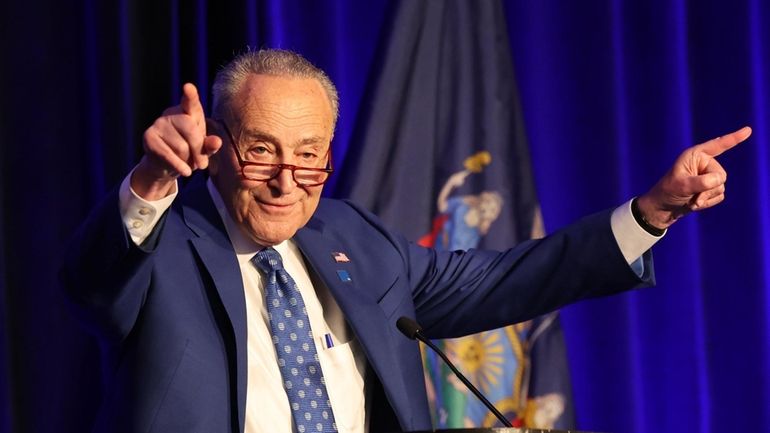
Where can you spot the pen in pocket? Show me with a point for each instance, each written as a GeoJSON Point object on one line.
{"type": "Point", "coordinates": [328, 340]}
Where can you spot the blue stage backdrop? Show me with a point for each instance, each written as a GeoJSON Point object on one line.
{"type": "Point", "coordinates": [611, 91]}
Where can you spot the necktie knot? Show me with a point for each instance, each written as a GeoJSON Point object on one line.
{"type": "Point", "coordinates": [268, 260]}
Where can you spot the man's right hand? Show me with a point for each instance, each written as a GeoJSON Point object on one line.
{"type": "Point", "coordinates": [176, 144]}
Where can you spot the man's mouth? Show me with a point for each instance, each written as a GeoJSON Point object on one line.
{"type": "Point", "coordinates": [276, 207]}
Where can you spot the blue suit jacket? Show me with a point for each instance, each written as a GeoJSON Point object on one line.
{"type": "Point", "coordinates": [172, 318]}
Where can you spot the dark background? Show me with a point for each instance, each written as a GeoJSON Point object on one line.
{"type": "Point", "coordinates": [611, 91]}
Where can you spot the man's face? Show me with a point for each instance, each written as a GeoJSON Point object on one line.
{"type": "Point", "coordinates": [282, 120]}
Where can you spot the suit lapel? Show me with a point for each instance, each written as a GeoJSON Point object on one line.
{"type": "Point", "coordinates": [359, 306]}
{"type": "Point", "coordinates": [216, 254]}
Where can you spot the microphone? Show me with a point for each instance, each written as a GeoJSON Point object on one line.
{"type": "Point", "coordinates": [412, 330]}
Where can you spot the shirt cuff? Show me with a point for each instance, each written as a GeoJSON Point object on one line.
{"type": "Point", "coordinates": [139, 215]}
{"type": "Point", "coordinates": [632, 239]}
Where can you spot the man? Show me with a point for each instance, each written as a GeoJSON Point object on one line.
{"type": "Point", "coordinates": [247, 303]}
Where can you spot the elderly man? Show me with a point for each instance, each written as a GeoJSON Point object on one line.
{"type": "Point", "coordinates": [247, 303]}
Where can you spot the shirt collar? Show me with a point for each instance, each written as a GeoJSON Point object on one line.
{"type": "Point", "coordinates": [244, 247]}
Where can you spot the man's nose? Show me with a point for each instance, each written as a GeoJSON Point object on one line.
{"type": "Point", "coordinates": [284, 182]}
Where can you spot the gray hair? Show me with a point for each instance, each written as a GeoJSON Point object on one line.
{"type": "Point", "coordinates": [267, 62]}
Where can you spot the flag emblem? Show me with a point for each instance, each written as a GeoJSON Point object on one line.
{"type": "Point", "coordinates": [340, 257]}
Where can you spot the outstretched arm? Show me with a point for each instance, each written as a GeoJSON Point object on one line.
{"type": "Point", "coordinates": [456, 180]}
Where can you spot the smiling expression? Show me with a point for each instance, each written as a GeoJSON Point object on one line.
{"type": "Point", "coordinates": [274, 119]}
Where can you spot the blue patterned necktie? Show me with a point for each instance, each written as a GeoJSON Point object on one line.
{"type": "Point", "coordinates": [303, 379]}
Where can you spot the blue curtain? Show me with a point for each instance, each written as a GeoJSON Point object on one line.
{"type": "Point", "coordinates": [611, 91]}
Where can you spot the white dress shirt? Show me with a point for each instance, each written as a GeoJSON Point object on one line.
{"type": "Point", "coordinates": [344, 364]}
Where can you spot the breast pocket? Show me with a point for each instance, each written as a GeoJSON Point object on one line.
{"type": "Point", "coordinates": [344, 379]}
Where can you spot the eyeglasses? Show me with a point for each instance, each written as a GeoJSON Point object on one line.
{"type": "Point", "coordinates": [263, 171]}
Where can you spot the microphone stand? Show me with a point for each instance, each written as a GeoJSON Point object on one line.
{"type": "Point", "coordinates": [412, 330]}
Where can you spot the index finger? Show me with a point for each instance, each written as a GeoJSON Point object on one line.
{"type": "Point", "coordinates": [191, 102]}
{"type": "Point", "coordinates": [719, 145]}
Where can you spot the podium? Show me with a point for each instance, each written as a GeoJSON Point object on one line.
{"type": "Point", "coordinates": [499, 430]}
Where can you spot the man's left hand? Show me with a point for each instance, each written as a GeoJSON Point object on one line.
{"type": "Point", "coordinates": [695, 182]}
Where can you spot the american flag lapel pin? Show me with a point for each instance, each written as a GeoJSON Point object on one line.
{"type": "Point", "coordinates": [340, 257]}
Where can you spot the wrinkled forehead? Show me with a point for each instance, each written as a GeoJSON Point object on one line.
{"type": "Point", "coordinates": [281, 100]}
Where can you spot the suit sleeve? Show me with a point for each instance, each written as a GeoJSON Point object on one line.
{"type": "Point", "coordinates": [457, 293]}
{"type": "Point", "coordinates": [105, 275]}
